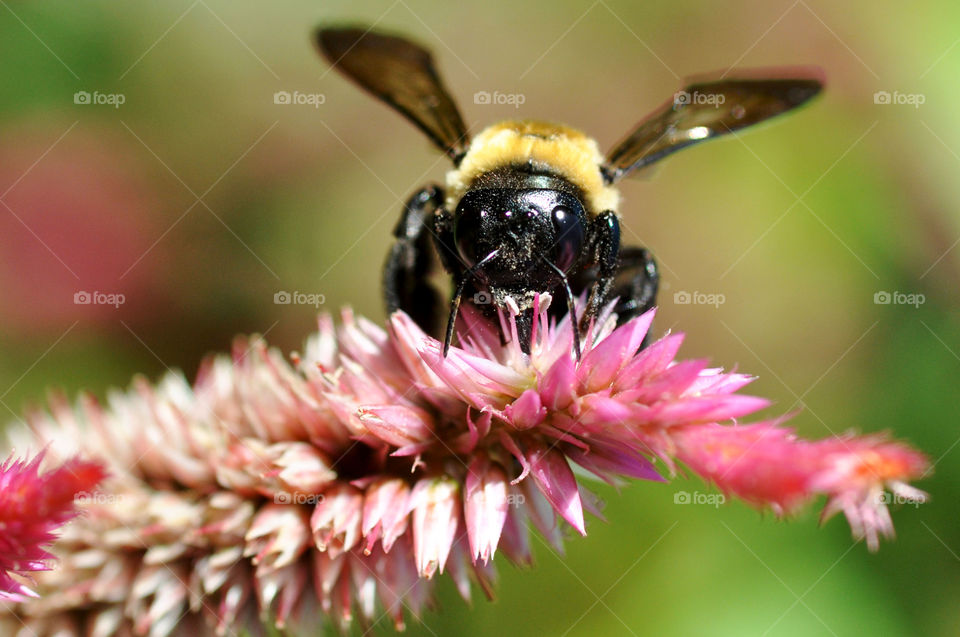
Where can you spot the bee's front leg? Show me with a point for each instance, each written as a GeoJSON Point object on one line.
{"type": "Point", "coordinates": [637, 283]}
{"type": "Point", "coordinates": [603, 250]}
{"type": "Point", "coordinates": [407, 269]}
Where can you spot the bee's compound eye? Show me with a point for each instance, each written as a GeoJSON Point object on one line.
{"type": "Point", "coordinates": [569, 236]}
{"type": "Point", "coordinates": [467, 233]}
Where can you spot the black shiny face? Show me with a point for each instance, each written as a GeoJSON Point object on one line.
{"type": "Point", "coordinates": [532, 229]}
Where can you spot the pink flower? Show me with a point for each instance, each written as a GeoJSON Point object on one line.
{"type": "Point", "coordinates": [33, 506]}
{"type": "Point", "coordinates": [351, 478]}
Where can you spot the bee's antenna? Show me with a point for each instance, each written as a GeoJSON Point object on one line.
{"type": "Point", "coordinates": [571, 309]}
{"type": "Point", "coordinates": [455, 303]}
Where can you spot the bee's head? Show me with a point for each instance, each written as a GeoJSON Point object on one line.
{"type": "Point", "coordinates": [537, 233]}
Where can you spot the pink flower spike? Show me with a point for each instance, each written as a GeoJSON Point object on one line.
{"type": "Point", "coordinates": [33, 506]}
{"type": "Point", "coordinates": [342, 484]}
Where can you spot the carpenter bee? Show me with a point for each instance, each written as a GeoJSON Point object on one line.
{"type": "Point", "coordinates": [530, 207]}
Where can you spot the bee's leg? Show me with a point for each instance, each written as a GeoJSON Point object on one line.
{"type": "Point", "coordinates": [603, 245]}
{"type": "Point", "coordinates": [405, 274]}
{"type": "Point", "coordinates": [636, 283]}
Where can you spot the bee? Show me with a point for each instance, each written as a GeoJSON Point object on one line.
{"type": "Point", "coordinates": [531, 207]}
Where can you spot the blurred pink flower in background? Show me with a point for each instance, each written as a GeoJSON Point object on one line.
{"type": "Point", "coordinates": [33, 507]}
{"type": "Point", "coordinates": [351, 478]}
{"type": "Point", "coordinates": [74, 217]}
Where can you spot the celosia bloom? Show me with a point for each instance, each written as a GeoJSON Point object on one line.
{"type": "Point", "coordinates": [349, 479]}
{"type": "Point", "coordinates": [33, 507]}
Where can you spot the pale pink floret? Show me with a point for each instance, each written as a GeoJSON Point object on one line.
{"type": "Point", "coordinates": [485, 506]}
{"type": "Point", "coordinates": [436, 513]}
{"type": "Point", "coordinates": [344, 482]}
{"type": "Point", "coordinates": [385, 512]}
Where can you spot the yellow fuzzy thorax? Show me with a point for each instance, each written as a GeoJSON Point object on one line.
{"type": "Point", "coordinates": [550, 147]}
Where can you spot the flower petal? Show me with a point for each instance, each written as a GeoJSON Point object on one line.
{"type": "Point", "coordinates": [558, 387]}
{"type": "Point", "coordinates": [650, 361]}
{"type": "Point", "coordinates": [555, 480]}
{"type": "Point", "coordinates": [398, 425]}
{"type": "Point", "coordinates": [599, 368]}
{"type": "Point", "coordinates": [335, 521]}
{"type": "Point", "coordinates": [434, 503]}
{"type": "Point", "coordinates": [606, 459]}
{"type": "Point", "coordinates": [527, 411]}
{"type": "Point", "coordinates": [384, 512]}
{"type": "Point", "coordinates": [709, 409]}
{"type": "Point", "coordinates": [485, 507]}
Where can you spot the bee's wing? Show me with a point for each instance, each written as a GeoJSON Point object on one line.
{"type": "Point", "coordinates": [704, 110]}
{"type": "Point", "coordinates": [401, 74]}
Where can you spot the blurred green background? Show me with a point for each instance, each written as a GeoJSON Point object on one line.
{"type": "Point", "coordinates": [198, 198]}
